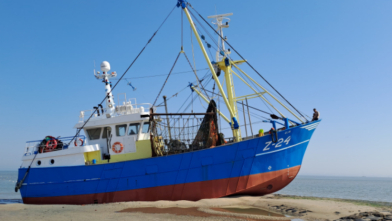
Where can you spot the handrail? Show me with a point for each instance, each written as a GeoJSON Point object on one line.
{"type": "Point", "coordinates": [32, 147]}
{"type": "Point", "coordinates": [119, 110]}
{"type": "Point", "coordinates": [60, 138]}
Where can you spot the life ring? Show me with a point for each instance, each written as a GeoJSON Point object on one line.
{"type": "Point", "coordinates": [116, 147]}
{"type": "Point", "coordinates": [51, 145]}
{"type": "Point", "coordinates": [81, 142]}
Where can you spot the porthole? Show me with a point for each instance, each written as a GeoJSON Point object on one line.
{"type": "Point", "coordinates": [269, 187]}
{"type": "Point", "coordinates": [39, 163]}
{"type": "Point", "coordinates": [52, 161]}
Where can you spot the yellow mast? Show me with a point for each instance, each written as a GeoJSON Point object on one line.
{"type": "Point", "coordinates": [226, 67]}
{"type": "Point", "coordinates": [225, 64]}
{"type": "Point", "coordinates": [229, 102]}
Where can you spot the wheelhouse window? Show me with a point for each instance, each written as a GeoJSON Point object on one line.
{"type": "Point", "coordinates": [146, 127]}
{"type": "Point", "coordinates": [121, 130]}
{"type": "Point", "coordinates": [133, 129]}
{"type": "Point", "coordinates": [94, 134]}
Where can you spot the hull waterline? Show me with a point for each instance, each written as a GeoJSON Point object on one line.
{"type": "Point", "coordinates": [257, 185]}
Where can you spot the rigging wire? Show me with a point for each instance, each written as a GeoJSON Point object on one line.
{"type": "Point", "coordinates": [256, 88]}
{"type": "Point", "coordinates": [244, 104]}
{"type": "Point", "coordinates": [208, 81]}
{"type": "Point", "coordinates": [195, 74]}
{"type": "Point", "coordinates": [164, 132]}
{"type": "Point", "coordinates": [193, 52]}
{"type": "Point", "coordinates": [92, 114]}
{"type": "Point", "coordinates": [174, 95]}
{"type": "Point", "coordinates": [192, 97]}
{"type": "Point", "coordinates": [245, 60]}
{"type": "Point", "coordinates": [251, 113]}
{"type": "Point", "coordinates": [205, 41]}
{"type": "Point", "coordinates": [182, 28]}
{"type": "Point", "coordinates": [194, 69]}
{"type": "Point", "coordinates": [191, 103]}
{"type": "Point", "coordinates": [220, 117]}
{"type": "Point", "coordinates": [160, 75]}
{"type": "Point", "coordinates": [209, 35]}
{"type": "Point", "coordinates": [205, 30]}
{"type": "Point", "coordinates": [257, 122]}
{"type": "Point", "coordinates": [175, 62]}
{"type": "Point", "coordinates": [184, 110]}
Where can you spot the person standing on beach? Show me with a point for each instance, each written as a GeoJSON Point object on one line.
{"type": "Point", "coordinates": [316, 114]}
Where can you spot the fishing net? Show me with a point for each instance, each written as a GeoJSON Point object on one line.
{"type": "Point", "coordinates": [185, 132]}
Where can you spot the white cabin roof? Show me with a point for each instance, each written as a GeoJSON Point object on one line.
{"type": "Point", "coordinates": [127, 112]}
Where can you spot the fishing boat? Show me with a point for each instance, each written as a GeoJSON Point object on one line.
{"type": "Point", "coordinates": [137, 152]}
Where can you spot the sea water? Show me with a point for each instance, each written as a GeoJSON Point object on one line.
{"type": "Point", "coordinates": [356, 188]}
{"type": "Point", "coordinates": [7, 187]}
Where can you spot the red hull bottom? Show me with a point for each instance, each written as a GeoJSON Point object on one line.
{"type": "Point", "coordinates": [257, 185]}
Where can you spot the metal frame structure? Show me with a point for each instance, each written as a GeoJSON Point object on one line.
{"type": "Point", "coordinates": [225, 64]}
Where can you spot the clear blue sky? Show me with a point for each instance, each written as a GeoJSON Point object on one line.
{"type": "Point", "coordinates": [332, 55]}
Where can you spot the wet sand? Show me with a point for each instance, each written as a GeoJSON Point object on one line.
{"type": "Point", "coordinates": [304, 208]}
{"type": "Point", "coordinates": [191, 211]}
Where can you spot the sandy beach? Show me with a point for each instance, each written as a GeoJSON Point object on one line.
{"type": "Point", "coordinates": [305, 208]}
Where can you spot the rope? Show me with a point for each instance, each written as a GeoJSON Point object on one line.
{"type": "Point", "coordinates": [175, 95]}
{"type": "Point", "coordinates": [256, 88]}
{"type": "Point", "coordinates": [193, 53]}
{"type": "Point", "coordinates": [182, 28]}
{"type": "Point", "coordinates": [191, 103]}
{"type": "Point", "coordinates": [209, 35]}
{"type": "Point", "coordinates": [246, 61]}
{"type": "Point", "coordinates": [196, 75]}
{"type": "Point", "coordinates": [18, 185]}
{"type": "Point", "coordinates": [206, 31]}
{"type": "Point", "coordinates": [80, 129]}
{"type": "Point", "coordinates": [244, 104]}
{"type": "Point", "coordinates": [175, 62]}
{"type": "Point", "coordinates": [159, 75]}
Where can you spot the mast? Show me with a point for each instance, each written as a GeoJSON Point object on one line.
{"type": "Point", "coordinates": [110, 105]}
{"type": "Point", "coordinates": [228, 100]}
{"type": "Point", "coordinates": [220, 25]}
{"type": "Point", "coordinates": [223, 63]}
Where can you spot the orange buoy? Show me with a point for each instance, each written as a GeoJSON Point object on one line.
{"type": "Point", "coordinates": [51, 145]}
{"type": "Point", "coordinates": [117, 147]}
{"type": "Point", "coordinates": [81, 142]}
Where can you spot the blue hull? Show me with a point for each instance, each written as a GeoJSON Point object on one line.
{"type": "Point", "coordinates": [257, 166]}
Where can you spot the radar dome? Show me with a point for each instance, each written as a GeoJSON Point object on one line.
{"type": "Point", "coordinates": [105, 66]}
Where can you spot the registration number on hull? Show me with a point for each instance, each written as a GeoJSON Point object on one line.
{"type": "Point", "coordinates": [269, 144]}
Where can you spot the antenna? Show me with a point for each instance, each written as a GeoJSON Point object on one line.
{"type": "Point", "coordinates": [222, 15]}
{"type": "Point", "coordinates": [105, 76]}
{"type": "Point", "coordinates": [96, 74]}
{"type": "Point", "coordinates": [221, 21]}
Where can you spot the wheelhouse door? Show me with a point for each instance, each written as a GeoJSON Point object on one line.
{"type": "Point", "coordinates": [131, 138]}
{"type": "Point", "coordinates": [107, 136]}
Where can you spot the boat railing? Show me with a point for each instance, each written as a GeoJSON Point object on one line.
{"type": "Point", "coordinates": [174, 133]}
{"type": "Point", "coordinates": [124, 109]}
{"type": "Point", "coordinates": [37, 146]}
{"type": "Point", "coordinates": [127, 108]}
{"type": "Point", "coordinates": [267, 133]}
